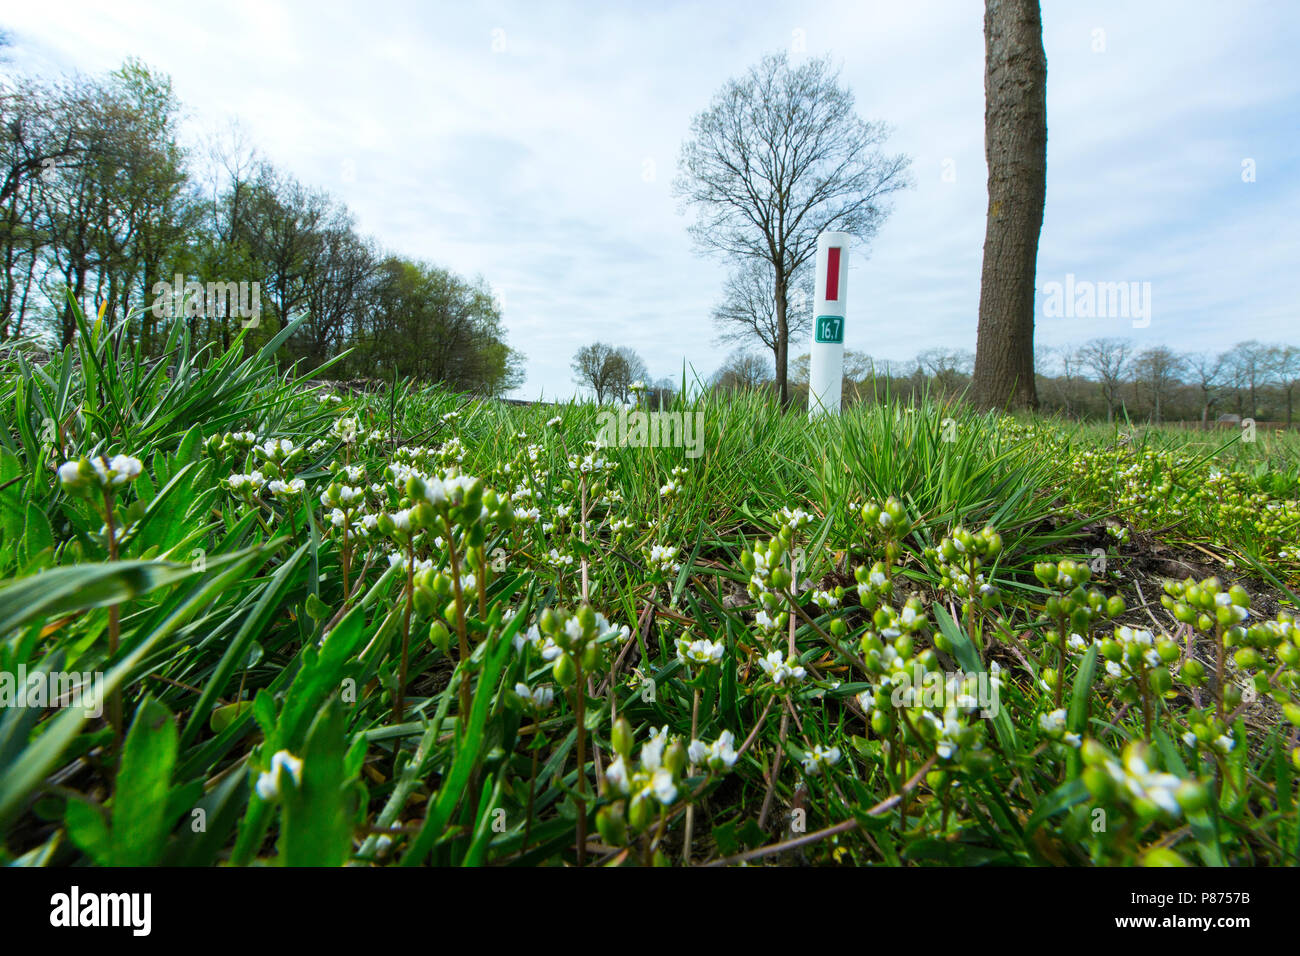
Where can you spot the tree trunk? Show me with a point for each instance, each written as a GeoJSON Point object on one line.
{"type": "Point", "coordinates": [782, 341]}
{"type": "Point", "coordinates": [1015, 146]}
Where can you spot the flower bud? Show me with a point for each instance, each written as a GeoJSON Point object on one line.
{"type": "Point", "coordinates": [566, 672]}
{"type": "Point", "coordinates": [1192, 796]}
{"type": "Point", "coordinates": [611, 825]}
{"type": "Point", "coordinates": [621, 737]}
{"type": "Point", "coordinates": [675, 758]}
{"type": "Point", "coordinates": [440, 636]}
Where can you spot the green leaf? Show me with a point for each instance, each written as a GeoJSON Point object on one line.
{"type": "Point", "coordinates": [140, 800]}
{"type": "Point", "coordinates": [317, 828]}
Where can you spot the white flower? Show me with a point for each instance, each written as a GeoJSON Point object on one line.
{"type": "Point", "coordinates": [819, 756]}
{"type": "Point", "coordinates": [662, 557]}
{"type": "Point", "coordinates": [539, 698]}
{"type": "Point", "coordinates": [652, 751]}
{"type": "Point", "coordinates": [699, 651]}
{"type": "Point", "coordinates": [661, 784]}
{"type": "Point", "coordinates": [290, 489]}
{"type": "Point", "coordinates": [780, 668]}
{"type": "Point", "coordinates": [1052, 722]}
{"type": "Point", "coordinates": [826, 600]}
{"type": "Point", "coordinates": [268, 783]}
{"type": "Point", "coordinates": [719, 756]}
{"type": "Point", "coordinates": [250, 482]}
{"type": "Point", "coordinates": [616, 776]}
{"type": "Point", "coordinates": [70, 473]}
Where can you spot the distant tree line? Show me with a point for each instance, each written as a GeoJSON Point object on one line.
{"type": "Point", "coordinates": [99, 198]}
{"type": "Point", "coordinates": [1101, 379]}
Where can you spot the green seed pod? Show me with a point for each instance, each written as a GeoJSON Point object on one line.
{"type": "Point", "coordinates": [1099, 784]}
{"type": "Point", "coordinates": [1093, 752]}
{"type": "Point", "coordinates": [1114, 606]}
{"type": "Point", "coordinates": [1193, 672]}
{"type": "Point", "coordinates": [1192, 796]}
{"type": "Point", "coordinates": [1079, 621]}
{"type": "Point", "coordinates": [611, 825]}
{"type": "Point", "coordinates": [440, 636]}
{"type": "Point", "coordinates": [1111, 650]}
{"type": "Point", "coordinates": [590, 656]}
{"type": "Point", "coordinates": [638, 814]}
{"type": "Point", "coordinates": [549, 622]}
{"type": "Point", "coordinates": [1159, 680]}
{"type": "Point", "coordinates": [621, 737]}
{"type": "Point", "coordinates": [423, 601]}
{"type": "Point", "coordinates": [1168, 651]}
{"type": "Point", "coordinates": [880, 722]}
{"type": "Point", "coordinates": [1247, 657]}
{"type": "Point", "coordinates": [675, 758]}
{"type": "Point", "coordinates": [565, 670]}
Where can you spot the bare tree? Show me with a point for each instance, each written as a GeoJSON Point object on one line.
{"type": "Point", "coordinates": [596, 367]}
{"type": "Point", "coordinates": [627, 369]}
{"type": "Point", "coordinates": [748, 309]}
{"type": "Point", "coordinates": [1249, 363]}
{"type": "Point", "coordinates": [779, 157]}
{"type": "Point", "coordinates": [1207, 374]}
{"type": "Point", "coordinates": [1284, 368]}
{"type": "Point", "coordinates": [1108, 360]}
{"type": "Point", "coordinates": [947, 366]}
{"type": "Point", "coordinates": [1015, 144]}
{"type": "Point", "coordinates": [1158, 370]}
{"type": "Point", "coordinates": [743, 370]}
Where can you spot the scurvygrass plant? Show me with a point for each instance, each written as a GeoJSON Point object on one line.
{"type": "Point", "coordinates": [410, 627]}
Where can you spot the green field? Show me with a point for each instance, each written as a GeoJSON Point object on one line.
{"type": "Point", "coordinates": [411, 627]}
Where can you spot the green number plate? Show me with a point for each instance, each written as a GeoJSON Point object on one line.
{"type": "Point", "coordinates": [830, 328]}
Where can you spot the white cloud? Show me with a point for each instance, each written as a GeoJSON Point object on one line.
{"type": "Point", "coordinates": [526, 165]}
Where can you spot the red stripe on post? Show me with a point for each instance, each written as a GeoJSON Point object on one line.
{"type": "Point", "coordinates": [832, 273]}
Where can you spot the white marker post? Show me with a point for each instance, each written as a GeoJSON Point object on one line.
{"type": "Point", "coordinates": [826, 366]}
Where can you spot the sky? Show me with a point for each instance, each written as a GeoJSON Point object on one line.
{"type": "Point", "coordinates": [535, 144]}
